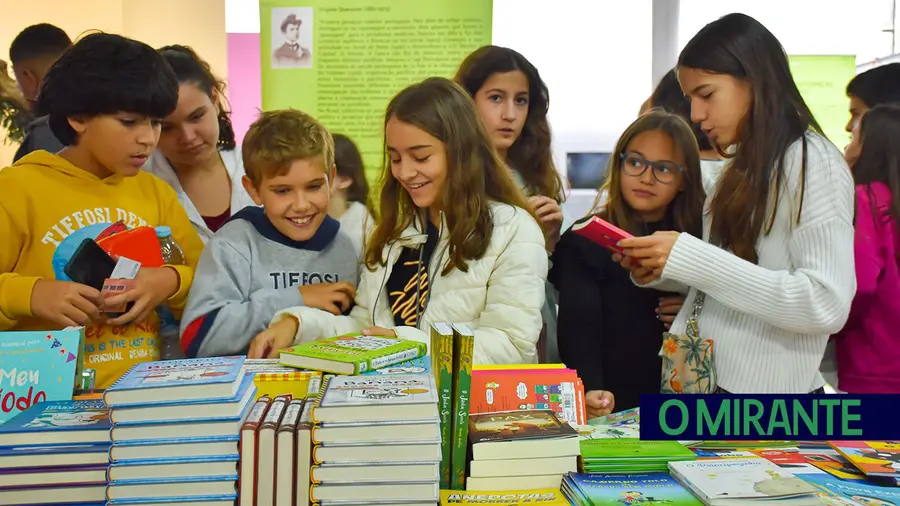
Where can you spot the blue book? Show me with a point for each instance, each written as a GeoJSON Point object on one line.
{"type": "Point", "coordinates": [53, 456]}
{"type": "Point", "coordinates": [634, 489]}
{"type": "Point", "coordinates": [137, 471]}
{"type": "Point", "coordinates": [193, 487]}
{"type": "Point", "coordinates": [169, 381]}
{"type": "Point", "coordinates": [420, 365]}
{"type": "Point", "coordinates": [188, 411]}
{"type": "Point", "coordinates": [833, 490]}
{"type": "Point", "coordinates": [35, 367]}
{"type": "Point", "coordinates": [221, 426]}
{"type": "Point", "coordinates": [61, 423]}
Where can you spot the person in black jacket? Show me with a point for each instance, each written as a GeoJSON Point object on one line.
{"type": "Point", "coordinates": [609, 329]}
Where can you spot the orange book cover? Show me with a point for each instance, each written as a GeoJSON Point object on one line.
{"type": "Point", "coordinates": [559, 390]}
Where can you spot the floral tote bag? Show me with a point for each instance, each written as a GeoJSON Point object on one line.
{"type": "Point", "coordinates": [687, 359]}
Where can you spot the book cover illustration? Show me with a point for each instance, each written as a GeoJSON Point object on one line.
{"type": "Point", "coordinates": [178, 373]}
{"type": "Point", "coordinates": [60, 415]}
{"type": "Point", "coordinates": [514, 425]}
{"type": "Point", "coordinates": [365, 352]}
{"type": "Point", "coordinates": [875, 458]}
{"type": "Point", "coordinates": [295, 383]}
{"type": "Point", "coordinates": [37, 367]}
{"type": "Point", "coordinates": [740, 479]}
{"type": "Point", "coordinates": [633, 489]}
{"type": "Point", "coordinates": [628, 417]}
{"type": "Point", "coordinates": [419, 365]}
{"type": "Point", "coordinates": [588, 432]}
{"type": "Point", "coordinates": [833, 491]}
{"type": "Point", "coordinates": [387, 389]}
{"type": "Point", "coordinates": [559, 390]}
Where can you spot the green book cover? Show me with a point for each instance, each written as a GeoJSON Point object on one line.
{"type": "Point", "coordinates": [442, 365]}
{"type": "Point", "coordinates": [463, 344]}
{"type": "Point", "coordinates": [351, 353]}
{"type": "Point", "coordinates": [633, 449]}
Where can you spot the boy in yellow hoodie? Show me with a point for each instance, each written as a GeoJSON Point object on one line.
{"type": "Point", "coordinates": [104, 99]}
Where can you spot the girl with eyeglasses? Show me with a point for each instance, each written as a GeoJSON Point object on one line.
{"type": "Point", "coordinates": [609, 330]}
{"type": "Point", "coordinates": [774, 269]}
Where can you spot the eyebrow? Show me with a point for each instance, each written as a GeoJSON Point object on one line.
{"type": "Point", "coordinates": [199, 109]}
{"type": "Point", "coordinates": [642, 155]}
{"type": "Point", "coordinates": [699, 88]}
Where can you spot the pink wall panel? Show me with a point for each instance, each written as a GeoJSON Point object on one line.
{"type": "Point", "coordinates": [244, 88]}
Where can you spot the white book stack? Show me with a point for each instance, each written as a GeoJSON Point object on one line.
{"type": "Point", "coordinates": [376, 436]}
{"type": "Point", "coordinates": [175, 430]}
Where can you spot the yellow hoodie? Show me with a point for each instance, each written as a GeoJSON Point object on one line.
{"type": "Point", "coordinates": [43, 200]}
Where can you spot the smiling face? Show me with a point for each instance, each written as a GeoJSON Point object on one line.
{"type": "Point", "coordinates": [502, 103]}
{"type": "Point", "coordinates": [297, 201]}
{"type": "Point", "coordinates": [719, 103]}
{"type": "Point", "coordinates": [116, 143]}
{"type": "Point", "coordinates": [418, 162]}
{"type": "Point", "coordinates": [643, 193]}
{"type": "Point", "coordinates": [190, 134]}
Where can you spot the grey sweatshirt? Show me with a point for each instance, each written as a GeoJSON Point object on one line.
{"type": "Point", "coordinates": [249, 271]}
{"type": "Point", "coordinates": [39, 136]}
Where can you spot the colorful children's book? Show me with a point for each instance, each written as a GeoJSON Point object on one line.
{"type": "Point", "coordinates": [284, 381]}
{"type": "Point", "coordinates": [559, 390]}
{"type": "Point", "coordinates": [723, 481]}
{"type": "Point", "coordinates": [631, 455]}
{"type": "Point", "coordinates": [633, 489]}
{"type": "Point", "coordinates": [521, 435]}
{"type": "Point", "coordinates": [626, 417]}
{"type": "Point", "coordinates": [544, 497]}
{"type": "Point", "coordinates": [833, 491]}
{"type": "Point", "coordinates": [351, 353]}
{"type": "Point", "coordinates": [168, 381]}
{"type": "Point", "coordinates": [875, 458]}
{"type": "Point", "coordinates": [463, 348]}
{"type": "Point", "coordinates": [58, 423]}
{"type": "Point", "coordinates": [36, 367]}
{"type": "Point", "coordinates": [348, 399]}
{"type": "Point", "coordinates": [442, 364]}
{"type": "Point", "coordinates": [587, 432]}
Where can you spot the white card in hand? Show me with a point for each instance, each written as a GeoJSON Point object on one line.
{"type": "Point", "coordinates": [126, 268]}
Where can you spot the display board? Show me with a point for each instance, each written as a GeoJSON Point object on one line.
{"type": "Point", "coordinates": [343, 61]}
{"type": "Point", "coordinates": [822, 80]}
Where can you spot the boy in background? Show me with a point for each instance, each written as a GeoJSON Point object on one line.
{"type": "Point", "coordinates": [104, 98]}
{"type": "Point", "coordinates": [288, 252]}
{"type": "Point", "coordinates": [32, 53]}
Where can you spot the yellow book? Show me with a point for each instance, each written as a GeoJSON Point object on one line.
{"type": "Point", "coordinates": [297, 384]}
{"type": "Point", "coordinates": [510, 367]}
{"type": "Point", "coordinates": [543, 497]}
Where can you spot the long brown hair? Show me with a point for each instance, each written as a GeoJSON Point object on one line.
{"type": "Point", "coordinates": [685, 212]}
{"type": "Point", "coordinates": [739, 46]}
{"type": "Point", "coordinates": [475, 174]}
{"type": "Point", "coordinates": [349, 163]}
{"type": "Point", "coordinates": [530, 155]}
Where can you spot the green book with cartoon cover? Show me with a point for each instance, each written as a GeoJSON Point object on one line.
{"type": "Point", "coordinates": [463, 347]}
{"type": "Point", "coordinates": [351, 353]}
{"type": "Point", "coordinates": [442, 365]}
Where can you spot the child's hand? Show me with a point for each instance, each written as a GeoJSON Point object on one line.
{"type": "Point", "coordinates": [599, 403]}
{"type": "Point", "coordinates": [270, 342]}
{"type": "Point", "coordinates": [332, 297]}
{"type": "Point", "coordinates": [152, 286]}
{"type": "Point", "coordinates": [65, 303]}
{"type": "Point", "coordinates": [668, 309]}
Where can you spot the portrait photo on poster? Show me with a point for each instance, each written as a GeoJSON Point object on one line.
{"type": "Point", "coordinates": [292, 37]}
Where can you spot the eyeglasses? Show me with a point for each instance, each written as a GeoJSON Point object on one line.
{"type": "Point", "coordinates": [663, 172]}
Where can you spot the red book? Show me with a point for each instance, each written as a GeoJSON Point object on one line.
{"type": "Point", "coordinates": [601, 232]}
{"type": "Point", "coordinates": [248, 451]}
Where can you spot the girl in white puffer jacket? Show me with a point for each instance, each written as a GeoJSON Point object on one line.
{"type": "Point", "coordinates": [454, 244]}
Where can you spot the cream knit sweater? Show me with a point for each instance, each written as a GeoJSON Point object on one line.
{"type": "Point", "coordinates": [771, 321]}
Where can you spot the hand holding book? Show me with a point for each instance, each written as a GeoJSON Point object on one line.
{"type": "Point", "coordinates": [646, 256]}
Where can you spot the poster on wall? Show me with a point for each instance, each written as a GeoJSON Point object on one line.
{"type": "Point", "coordinates": [342, 62]}
{"type": "Point", "coordinates": [822, 81]}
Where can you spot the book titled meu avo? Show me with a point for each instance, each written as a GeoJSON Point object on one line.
{"type": "Point", "coordinates": [169, 381]}
{"type": "Point", "coordinates": [352, 353]}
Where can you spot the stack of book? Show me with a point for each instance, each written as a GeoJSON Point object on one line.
{"type": "Point", "coordinates": [175, 427]}
{"type": "Point", "coordinates": [276, 449]}
{"type": "Point", "coordinates": [375, 436]}
{"type": "Point", "coordinates": [520, 450]}
{"type": "Point", "coordinates": [631, 455]}
{"type": "Point", "coordinates": [55, 452]}
{"type": "Point", "coordinates": [628, 489]}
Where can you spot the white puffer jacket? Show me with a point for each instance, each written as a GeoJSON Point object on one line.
{"type": "Point", "coordinates": [500, 297]}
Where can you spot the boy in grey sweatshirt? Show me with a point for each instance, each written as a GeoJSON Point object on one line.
{"type": "Point", "coordinates": [286, 253]}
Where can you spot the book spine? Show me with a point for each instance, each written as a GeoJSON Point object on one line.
{"type": "Point", "coordinates": [392, 358]}
{"type": "Point", "coordinates": [442, 361]}
{"type": "Point", "coordinates": [319, 396]}
{"type": "Point", "coordinates": [257, 413]}
{"type": "Point", "coordinates": [291, 417]}
{"type": "Point", "coordinates": [275, 413]}
{"type": "Point", "coordinates": [463, 344]}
